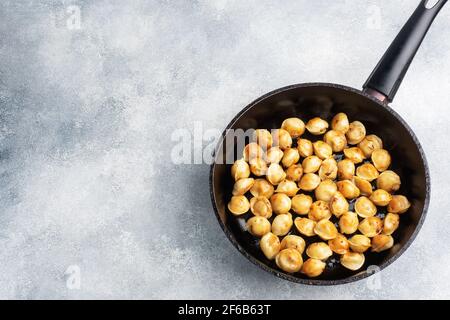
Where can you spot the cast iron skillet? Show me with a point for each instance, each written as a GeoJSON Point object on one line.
{"type": "Point", "coordinates": [325, 100]}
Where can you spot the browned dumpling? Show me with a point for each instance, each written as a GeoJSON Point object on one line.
{"type": "Point", "coordinates": [398, 204]}
{"type": "Point", "coordinates": [313, 267]}
{"type": "Point", "coordinates": [270, 245]}
{"type": "Point", "coordinates": [365, 208]}
{"type": "Point", "coordinates": [371, 226]}
{"type": "Point", "coordinates": [287, 187]}
{"type": "Point", "coordinates": [326, 230]}
{"type": "Point", "coordinates": [328, 169]}
{"type": "Point", "coordinates": [311, 164]}
{"type": "Point", "coordinates": [274, 155]}
{"type": "Point", "coordinates": [325, 190]}
{"type": "Point", "coordinates": [289, 260]}
{"type": "Point", "coordinates": [382, 242]}
{"type": "Point", "coordinates": [301, 204]}
{"type": "Point", "coordinates": [346, 169]}
{"type": "Point", "coordinates": [295, 127]}
{"type": "Point", "coordinates": [280, 203]}
{"type": "Point", "coordinates": [263, 137]}
{"type": "Point", "coordinates": [367, 171]}
{"type": "Point", "coordinates": [258, 167]}
{"type": "Point", "coordinates": [305, 226]}
{"type": "Point", "coordinates": [348, 189]}
{"type": "Point", "coordinates": [238, 205]}
{"type": "Point", "coordinates": [305, 148]}
{"type": "Point", "coordinates": [348, 223]}
{"type": "Point", "coordinates": [381, 159]}
{"type": "Point", "coordinates": [275, 174]}
{"type": "Point", "coordinates": [364, 186]}
{"type": "Point", "coordinates": [353, 260]}
{"type": "Point", "coordinates": [319, 210]}
{"type": "Point", "coordinates": [260, 206]}
{"type": "Point", "coordinates": [309, 182]}
{"type": "Point", "coordinates": [340, 123]}
{"type": "Point", "coordinates": [336, 139]}
{"type": "Point", "coordinates": [317, 126]}
{"type": "Point", "coordinates": [262, 188]}
{"type": "Point", "coordinates": [388, 181]}
{"type": "Point", "coordinates": [240, 170]}
{"type": "Point", "coordinates": [290, 157]}
{"type": "Point", "coordinates": [338, 204]}
{"type": "Point", "coordinates": [380, 197]}
{"type": "Point", "coordinates": [339, 245]}
{"type": "Point", "coordinates": [356, 132]}
{"type": "Point", "coordinates": [322, 150]}
{"type": "Point", "coordinates": [294, 172]}
{"type": "Point", "coordinates": [281, 138]}
{"type": "Point", "coordinates": [282, 224]}
{"type": "Point", "coordinates": [252, 150]}
{"type": "Point", "coordinates": [242, 186]}
{"type": "Point", "coordinates": [369, 144]}
{"type": "Point", "coordinates": [359, 243]}
{"type": "Point", "coordinates": [319, 251]}
{"type": "Point", "coordinates": [390, 223]}
{"type": "Point", "coordinates": [258, 226]}
{"type": "Point", "coordinates": [293, 242]}
{"type": "Point", "coordinates": [354, 154]}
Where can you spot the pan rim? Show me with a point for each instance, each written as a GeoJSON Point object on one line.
{"type": "Point", "coordinates": [316, 282]}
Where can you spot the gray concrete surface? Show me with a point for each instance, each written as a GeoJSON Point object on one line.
{"type": "Point", "coordinates": [88, 104]}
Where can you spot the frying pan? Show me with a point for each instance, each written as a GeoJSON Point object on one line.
{"type": "Point", "coordinates": [370, 106]}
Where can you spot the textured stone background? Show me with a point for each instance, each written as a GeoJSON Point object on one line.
{"type": "Point", "coordinates": [86, 117]}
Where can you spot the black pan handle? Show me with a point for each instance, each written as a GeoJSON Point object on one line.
{"type": "Point", "coordinates": [387, 76]}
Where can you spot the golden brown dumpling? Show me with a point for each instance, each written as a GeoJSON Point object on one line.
{"type": "Point", "coordinates": [301, 204]}
{"type": "Point", "coordinates": [339, 244]}
{"type": "Point", "coordinates": [295, 127]}
{"type": "Point", "coordinates": [313, 267]}
{"type": "Point", "coordinates": [319, 210]}
{"type": "Point", "coordinates": [319, 251]}
{"type": "Point", "coordinates": [239, 205]}
{"type": "Point", "coordinates": [336, 139]}
{"type": "Point", "coordinates": [309, 182]}
{"type": "Point", "coordinates": [260, 206]}
{"type": "Point", "coordinates": [371, 226]}
{"type": "Point", "coordinates": [289, 260]}
{"type": "Point", "coordinates": [281, 203]}
{"type": "Point", "coordinates": [262, 188]}
{"type": "Point", "coordinates": [340, 122]}
{"type": "Point", "coordinates": [398, 204]}
{"type": "Point", "coordinates": [348, 222]}
{"type": "Point", "coordinates": [294, 172]}
{"type": "Point", "coordinates": [325, 190]}
{"type": "Point", "coordinates": [258, 226]}
{"type": "Point", "coordinates": [293, 242]}
{"type": "Point", "coordinates": [305, 226]}
{"type": "Point", "coordinates": [328, 169]}
{"type": "Point", "coordinates": [305, 148]}
{"type": "Point", "coordinates": [326, 230]}
{"type": "Point", "coordinates": [369, 144]}
{"type": "Point", "coordinates": [317, 126]}
{"type": "Point", "coordinates": [263, 137]}
{"type": "Point", "coordinates": [270, 245]}
{"type": "Point", "coordinates": [281, 138]}
{"type": "Point", "coordinates": [240, 170]}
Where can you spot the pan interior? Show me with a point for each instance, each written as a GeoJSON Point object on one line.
{"type": "Point", "coordinates": [325, 100]}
